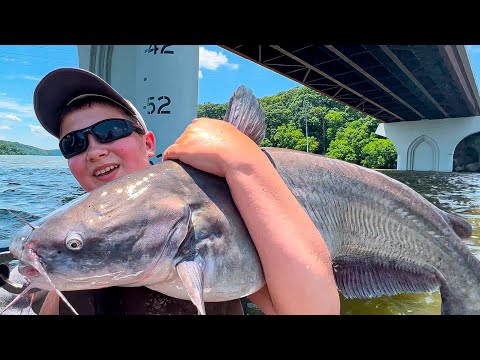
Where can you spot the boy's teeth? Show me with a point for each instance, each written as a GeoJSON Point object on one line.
{"type": "Point", "coordinates": [107, 169]}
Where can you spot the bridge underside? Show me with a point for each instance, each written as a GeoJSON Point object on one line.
{"type": "Point", "coordinates": [392, 83]}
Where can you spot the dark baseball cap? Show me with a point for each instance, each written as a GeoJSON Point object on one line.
{"type": "Point", "coordinates": [62, 86]}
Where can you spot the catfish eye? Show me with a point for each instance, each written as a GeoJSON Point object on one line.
{"type": "Point", "coordinates": [74, 241]}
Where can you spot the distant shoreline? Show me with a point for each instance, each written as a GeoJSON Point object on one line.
{"type": "Point", "coordinates": [32, 154]}
{"type": "Point", "coordinates": [16, 148]}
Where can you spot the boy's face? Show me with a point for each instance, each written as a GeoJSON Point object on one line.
{"type": "Point", "coordinates": [125, 155]}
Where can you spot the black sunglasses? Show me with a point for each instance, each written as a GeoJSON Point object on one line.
{"type": "Point", "coordinates": [104, 131]}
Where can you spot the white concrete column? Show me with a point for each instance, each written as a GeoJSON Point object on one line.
{"type": "Point", "coordinates": [160, 80]}
{"type": "Point", "coordinates": [428, 145]}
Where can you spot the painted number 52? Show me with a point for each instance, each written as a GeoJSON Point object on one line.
{"type": "Point", "coordinates": [164, 102]}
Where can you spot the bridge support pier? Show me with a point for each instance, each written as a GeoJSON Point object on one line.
{"type": "Point", "coordinates": [160, 80]}
{"type": "Point", "coordinates": [428, 145]}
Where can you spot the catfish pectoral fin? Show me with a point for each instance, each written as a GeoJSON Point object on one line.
{"type": "Point", "coordinates": [363, 277]}
{"type": "Point", "coordinates": [191, 274]}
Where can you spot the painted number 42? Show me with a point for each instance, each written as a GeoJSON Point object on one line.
{"type": "Point", "coordinates": [161, 50]}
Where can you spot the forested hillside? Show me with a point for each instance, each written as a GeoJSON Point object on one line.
{"type": "Point", "coordinates": [15, 148]}
{"type": "Point", "coordinates": [334, 129]}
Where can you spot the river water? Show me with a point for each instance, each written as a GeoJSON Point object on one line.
{"type": "Point", "coordinates": [33, 186]}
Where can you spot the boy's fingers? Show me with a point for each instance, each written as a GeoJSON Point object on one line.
{"type": "Point", "coordinates": [167, 154]}
{"type": "Point", "coordinates": [172, 152]}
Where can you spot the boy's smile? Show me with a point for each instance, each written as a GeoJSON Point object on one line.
{"type": "Point", "coordinates": [106, 170]}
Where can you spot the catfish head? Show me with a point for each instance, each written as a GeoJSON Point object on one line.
{"type": "Point", "coordinates": [115, 235]}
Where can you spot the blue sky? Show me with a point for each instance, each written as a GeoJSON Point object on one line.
{"type": "Point", "coordinates": [22, 67]}
{"type": "Point", "coordinates": [221, 72]}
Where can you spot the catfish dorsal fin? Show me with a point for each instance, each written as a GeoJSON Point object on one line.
{"type": "Point", "coordinates": [245, 113]}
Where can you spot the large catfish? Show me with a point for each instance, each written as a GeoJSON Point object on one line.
{"type": "Point", "coordinates": [176, 230]}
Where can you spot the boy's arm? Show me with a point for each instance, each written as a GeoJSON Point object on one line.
{"type": "Point", "coordinates": [294, 256]}
{"type": "Point", "coordinates": [51, 305]}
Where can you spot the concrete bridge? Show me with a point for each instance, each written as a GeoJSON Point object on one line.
{"type": "Point", "coordinates": [429, 145]}
{"type": "Point", "coordinates": [424, 96]}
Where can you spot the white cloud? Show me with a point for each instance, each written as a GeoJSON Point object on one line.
{"type": "Point", "coordinates": [46, 138]}
{"type": "Point", "coordinates": [38, 130]}
{"type": "Point", "coordinates": [31, 77]}
{"type": "Point", "coordinates": [212, 60]}
{"type": "Point", "coordinates": [24, 77]}
{"type": "Point", "coordinates": [13, 106]}
{"type": "Point", "coordinates": [11, 117]}
{"type": "Point", "coordinates": [6, 59]}
{"type": "Point", "coordinates": [5, 127]}
{"type": "Point", "coordinates": [200, 74]}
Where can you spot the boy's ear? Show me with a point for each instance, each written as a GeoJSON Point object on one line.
{"type": "Point", "coordinates": [150, 143]}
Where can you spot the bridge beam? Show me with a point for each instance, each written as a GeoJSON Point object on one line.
{"type": "Point", "coordinates": [428, 145]}
{"type": "Point", "coordinates": [160, 80]}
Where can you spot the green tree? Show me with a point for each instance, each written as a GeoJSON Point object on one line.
{"type": "Point", "coordinates": [266, 143]}
{"type": "Point", "coordinates": [335, 120]}
{"type": "Point", "coordinates": [341, 149]}
{"type": "Point", "coordinates": [15, 148]}
{"type": "Point", "coordinates": [350, 141]}
{"type": "Point", "coordinates": [276, 114]}
{"type": "Point", "coordinates": [289, 137]}
{"type": "Point", "coordinates": [211, 110]}
{"type": "Point", "coordinates": [346, 134]}
{"type": "Point", "coordinates": [380, 154]}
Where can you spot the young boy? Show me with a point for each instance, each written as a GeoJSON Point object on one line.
{"type": "Point", "coordinates": [104, 138]}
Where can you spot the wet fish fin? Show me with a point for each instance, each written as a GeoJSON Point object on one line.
{"type": "Point", "coordinates": [191, 274]}
{"type": "Point", "coordinates": [245, 113]}
{"type": "Point", "coordinates": [461, 226]}
{"type": "Point", "coordinates": [363, 277]}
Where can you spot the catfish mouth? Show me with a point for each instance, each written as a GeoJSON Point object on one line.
{"type": "Point", "coordinates": [34, 277]}
{"type": "Point", "coordinates": [64, 282]}
{"type": "Point", "coordinates": [67, 282]}
{"type": "Point", "coordinates": [28, 270]}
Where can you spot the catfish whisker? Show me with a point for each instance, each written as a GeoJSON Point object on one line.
{"type": "Point", "coordinates": [18, 297]}
{"type": "Point", "coordinates": [36, 263]}
{"type": "Point", "coordinates": [22, 219]}
{"type": "Point", "coordinates": [32, 298]}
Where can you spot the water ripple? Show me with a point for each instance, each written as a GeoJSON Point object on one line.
{"type": "Point", "coordinates": [32, 187]}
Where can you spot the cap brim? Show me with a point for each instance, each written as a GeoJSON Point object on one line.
{"type": "Point", "coordinates": [60, 86]}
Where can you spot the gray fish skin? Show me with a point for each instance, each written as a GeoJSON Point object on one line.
{"type": "Point", "coordinates": [384, 238]}
{"type": "Point", "coordinates": [137, 228]}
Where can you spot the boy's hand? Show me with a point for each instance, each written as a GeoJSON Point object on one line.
{"type": "Point", "coordinates": [214, 146]}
